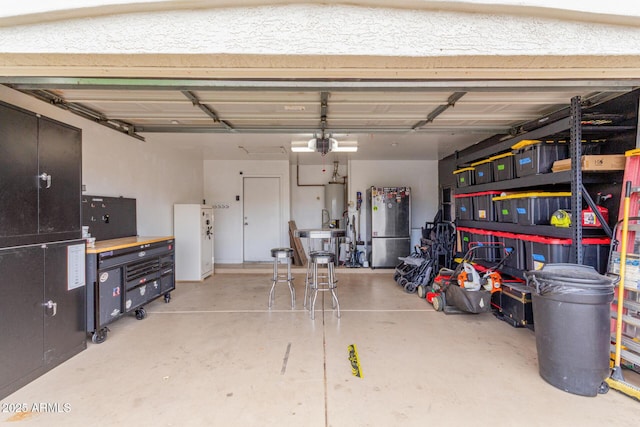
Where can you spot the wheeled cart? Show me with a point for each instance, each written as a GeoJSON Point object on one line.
{"type": "Point", "coordinates": [125, 274]}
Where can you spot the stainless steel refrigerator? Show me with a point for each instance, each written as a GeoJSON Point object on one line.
{"type": "Point", "coordinates": [388, 225]}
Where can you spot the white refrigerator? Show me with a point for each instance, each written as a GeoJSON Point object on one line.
{"type": "Point", "coordinates": [193, 232]}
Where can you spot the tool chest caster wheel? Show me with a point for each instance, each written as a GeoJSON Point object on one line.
{"type": "Point", "coordinates": [99, 336]}
{"type": "Point", "coordinates": [167, 298]}
{"type": "Point", "coordinates": [141, 313]}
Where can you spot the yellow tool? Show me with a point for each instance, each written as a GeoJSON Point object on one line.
{"type": "Point", "coordinates": [354, 359]}
{"type": "Point", "coordinates": [561, 218]}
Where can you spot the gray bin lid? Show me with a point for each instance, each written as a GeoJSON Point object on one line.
{"type": "Point", "coordinates": [569, 279]}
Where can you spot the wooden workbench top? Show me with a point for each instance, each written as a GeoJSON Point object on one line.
{"type": "Point", "coordinates": [124, 242]}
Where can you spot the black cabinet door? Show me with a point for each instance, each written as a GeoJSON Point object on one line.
{"type": "Point", "coordinates": [21, 315]}
{"type": "Point", "coordinates": [60, 165]}
{"type": "Point", "coordinates": [18, 170]}
{"type": "Point", "coordinates": [64, 301]}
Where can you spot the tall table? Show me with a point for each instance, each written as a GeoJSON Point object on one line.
{"type": "Point", "coordinates": [321, 233]}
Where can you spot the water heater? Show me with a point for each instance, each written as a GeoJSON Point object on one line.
{"type": "Point", "coordinates": [334, 202]}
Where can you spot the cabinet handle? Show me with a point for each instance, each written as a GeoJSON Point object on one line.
{"type": "Point", "coordinates": [47, 178]}
{"type": "Point", "coordinates": [52, 305]}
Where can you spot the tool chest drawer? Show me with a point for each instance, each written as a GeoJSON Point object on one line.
{"type": "Point", "coordinates": [111, 258]}
{"type": "Point", "coordinates": [141, 272]}
{"type": "Point", "coordinates": [135, 297]}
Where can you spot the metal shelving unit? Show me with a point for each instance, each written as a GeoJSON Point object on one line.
{"type": "Point", "coordinates": [569, 128]}
{"type": "Point", "coordinates": [543, 230]}
{"type": "Point", "coordinates": [557, 178]}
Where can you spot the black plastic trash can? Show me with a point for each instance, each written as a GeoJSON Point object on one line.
{"type": "Point", "coordinates": [571, 311]}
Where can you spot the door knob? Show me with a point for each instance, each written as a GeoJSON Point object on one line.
{"type": "Point", "coordinates": [246, 223]}
{"type": "Point", "coordinates": [51, 305]}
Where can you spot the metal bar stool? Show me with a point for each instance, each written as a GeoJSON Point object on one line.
{"type": "Point", "coordinates": [309, 278]}
{"type": "Point", "coordinates": [282, 255]}
{"type": "Point", "coordinates": [323, 282]}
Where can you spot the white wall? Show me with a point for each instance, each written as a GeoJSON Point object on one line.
{"type": "Point", "coordinates": [222, 183]}
{"type": "Point", "coordinates": [307, 199]}
{"type": "Point", "coordinates": [113, 164]}
{"type": "Point", "coordinates": [61, 9]}
{"type": "Point", "coordinates": [421, 176]}
{"type": "Point", "coordinates": [315, 29]}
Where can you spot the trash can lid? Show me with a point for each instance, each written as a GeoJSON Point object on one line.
{"type": "Point", "coordinates": [575, 275]}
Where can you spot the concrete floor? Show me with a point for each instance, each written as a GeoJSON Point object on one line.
{"type": "Point", "coordinates": [216, 356]}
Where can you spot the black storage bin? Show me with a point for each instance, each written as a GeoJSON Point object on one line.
{"type": "Point", "coordinates": [464, 177]}
{"type": "Point", "coordinates": [541, 251]}
{"type": "Point", "coordinates": [483, 172]}
{"type": "Point", "coordinates": [483, 206]}
{"type": "Point", "coordinates": [534, 208]}
{"type": "Point", "coordinates": [466, 237]}
{"type": "Point", "coordinates": [514, 247]}
{"type": "Point", "coordinates": [505, 212]}
{"type": "Point", "coordinates": [464, 206]}
{"type": "Point", "coordinates": [487, 243]}
{"type": "Point", "coordinates": [571, 308]}
{"type": "Point", "coordinates": [503, 167]}
{"type": "Point", "coordinates": [535, 157]}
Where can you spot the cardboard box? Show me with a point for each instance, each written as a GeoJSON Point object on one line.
{"type": "Point", "coordinates": [594, 163]}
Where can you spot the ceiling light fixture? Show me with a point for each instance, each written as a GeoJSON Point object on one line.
{"type": "Point", "coordinates": [324, 145]}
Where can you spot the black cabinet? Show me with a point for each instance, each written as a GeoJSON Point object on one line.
{"type": "Point", "coordinates": [64, 301]}
{"type": "Point", "coordinates": [42, 260]}
{"type": "Point", "coordinates": [60, 163]}
{"type": "Point", "coordinates": [41, 310]}
{"type": "Point", "coordinates": [18, 172]}
{"type": "Point", "coordinates": [21, 316]}
{"type": "Point", "coordinates": [40, 178]}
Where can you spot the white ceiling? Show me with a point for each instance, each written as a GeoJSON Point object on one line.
{"type": "Point", "coordinates": [259, 119]}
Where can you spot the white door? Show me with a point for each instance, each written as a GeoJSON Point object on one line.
{"type": "Point", "coordinates": [261, 217]}
{"type": "Point", "coordinates": [206, 230]}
